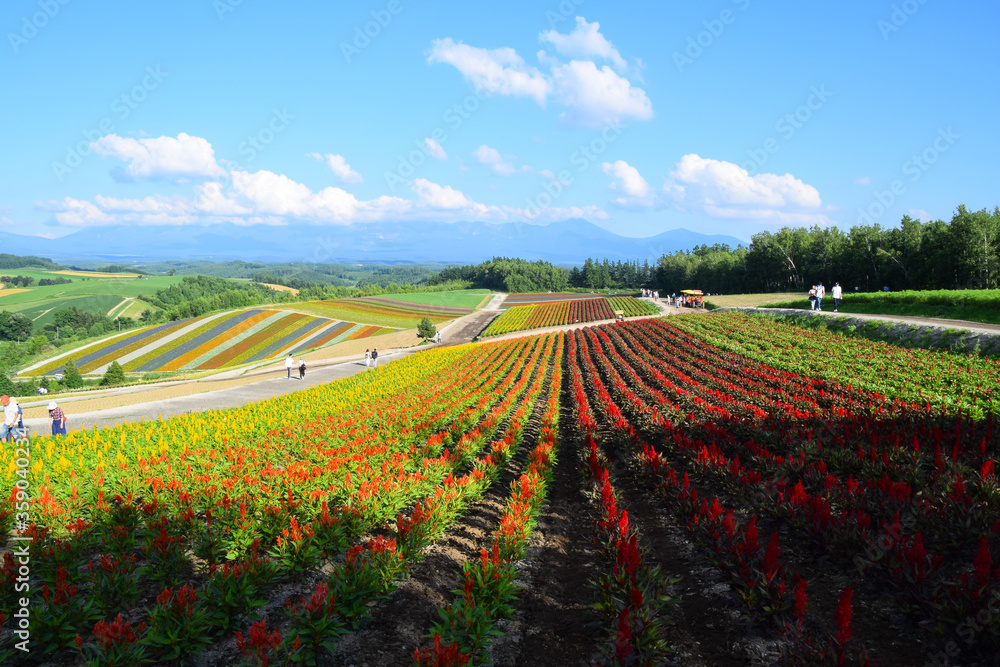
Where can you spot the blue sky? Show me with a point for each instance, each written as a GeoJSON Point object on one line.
{"type": "Point", "coordinates": [728, 117]}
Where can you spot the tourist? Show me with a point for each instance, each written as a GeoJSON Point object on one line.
{"type": "Point", "coordinates": [374, 356]}
{"type": "Point", "coordinates": [368, 358]}
{"type": "Point", "coordinates": [438, 337]}
{"type": "Point", "coordinates": [838, 294]}
{"type": "Point", "coordinates": [812, 298]}
{"type": "Point", "coordinates": [820, 293]}
{"type": "Point", "coordinates": [302, 368]}
{"type": "Point", "coordinates": [289, 364]}
{"type": "Point", "coordinates": [10, 417]}
{"type": "Point", "coordinates": [58, 418]}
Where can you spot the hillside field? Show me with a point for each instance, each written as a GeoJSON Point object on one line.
{"type": "Point", "coordinates": [823, 499]}
{"type": "Point", "coordinates": [221, 340]}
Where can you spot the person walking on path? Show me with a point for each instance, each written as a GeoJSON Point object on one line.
{"type": "Point", "coordinates": [289, 365]}
{"type": "Point", "coordinates": [58, 418]}
{"type": "Point", "coordinates": [368, 359]}
{"type": "Point", "coordinates": [812, 298]}
{"type": "Point", "coordinates": [438, 336]}
{"type": "Point", "coordinates": [10, 417]}
{"type": "Point", "coordinates": [820, 293]}
{"type": "Point", "coordinates": [302, 368]}
{"type": "Point", "coordinates": [837, 294]}
{"type": "Point", "coordinates": [374, 356]}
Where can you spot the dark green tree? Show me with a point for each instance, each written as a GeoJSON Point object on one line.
{"type": "Point", "coordinates": [71, 376]}
{"type": "Point", "coordinates": [426, 328]}
{"type": "Point", "coordinates": [14, 326]}
{"type": "Point", "coordinates": [114, 376]}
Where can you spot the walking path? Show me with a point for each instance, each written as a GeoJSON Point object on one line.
{"type": "Point", "coordinates": [498, 299]}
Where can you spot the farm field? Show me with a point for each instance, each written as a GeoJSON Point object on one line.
{"type": "Point", "coordinates": [382, 311]}
{"type": "Point", "coordinates": [468, 298]}
{"type": "Point", "coordinates": [815, 507]}
{"type": "Point", "coordinates": [530, 298]}
{"type": "Point", "coordinates": [558, 313]}
{"type": "Point", "coordinates": [96, 294]}
{"type": "Point", "coordinates": [211, 342]}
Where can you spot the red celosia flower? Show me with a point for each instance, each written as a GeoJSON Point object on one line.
{"type": "Point", "coordinates": [771, 556]}
{"type": "Point", "coordinates": [844, 613]}
{"type": "Point", "coordinates": [983, 563]}
{"type": "Point", "coordinates": [799, 609]}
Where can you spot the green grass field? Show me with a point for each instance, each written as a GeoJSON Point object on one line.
{"type": "Point", "coordinates": [97, 295]}
{"type": "Point", "coordinates": [466, 298]}
{"type": "Point", "coordinates": [970, 305]}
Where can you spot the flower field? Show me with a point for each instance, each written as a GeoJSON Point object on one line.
{"type": "Point", "coordinates": [558, 313]}
{"type": "Point", "coordinates": [386, 312]}
{"type": "Point", "coordinates": [211, 342]}
{"type": "Point", "coordinates": [532, 298]}
{"type": "Point", "coordinates": [720, 489]}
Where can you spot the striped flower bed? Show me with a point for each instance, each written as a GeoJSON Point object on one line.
{"type": "Point", "coordinates": [382, 307]}
{"type": "Point", "coordinates": [559, 313]}
{"type": "Point", "coordinates": [215, 341]}
{"type": "Point", "coordinates": [530, 298]}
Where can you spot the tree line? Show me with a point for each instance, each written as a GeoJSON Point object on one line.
{"type": "Point", "coordinates": [961, 253]}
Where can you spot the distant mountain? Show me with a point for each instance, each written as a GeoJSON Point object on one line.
{"type": "Point", "coordinates": [568, 242]}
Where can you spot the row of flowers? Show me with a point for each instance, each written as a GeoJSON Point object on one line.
{"type": "Point", "coordinates": [558, 313]}
{"type": "Point", "coordinates": [469, 623]}
{"type": "Point", "coordinates": [843, 472]}
{"type": "Point", "coordinates": [765, 583]}
{"type": "Point", "coordinates": [253, 524]}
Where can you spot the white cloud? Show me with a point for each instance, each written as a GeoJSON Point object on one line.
{"type": "Point", "coordinates": [162, 157]}
{"type": "Point", "coordinates": [435, 149]}
{"type": "Point", "coordinates": [593, 96]}
{"type": "Point", "coordinates": [920, 214]}
{"type": "Point", "coordinates": [439, 196]}
{"type": "Point", "coordinates": [634, 189]}
{"type": "Point", "coordinates": [864, 180]}
{"type": "Point", "coordinates": [597, 97]}
{"type": "Point", "coordinates": [500, 71]}
{"type": "Point", "coordinates": [726, 190]}
{"type": "Point", "coordinates": [499, 165]}
{"type": "Point", "coordinates": [338, 165]}
{"type": "Point", "coordinates": [585, 41]}
{"type": "Point", "coordinates": [264, 197]}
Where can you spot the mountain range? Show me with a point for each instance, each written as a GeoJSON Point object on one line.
{"type": "Point", "coordinates": [568, 242]}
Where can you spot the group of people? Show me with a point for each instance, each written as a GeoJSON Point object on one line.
{"type": "Point", "coordinates": [290, 366]}
{"type": "Point", "coordinates": [13, 419]}
{"type": "Point", "coordinates": [817, 292]}
{"type": "Point", "coordinates": [650, 294]}
{"type": "Point", "coordinates": [371, 358]}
